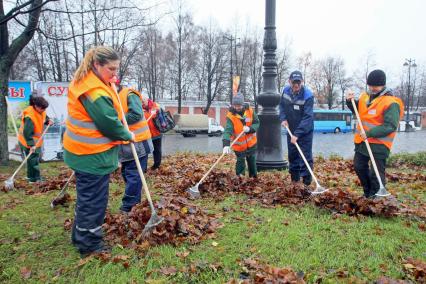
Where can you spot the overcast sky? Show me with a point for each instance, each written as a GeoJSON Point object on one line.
{"type": "Point", "coordinates": [392, 30]}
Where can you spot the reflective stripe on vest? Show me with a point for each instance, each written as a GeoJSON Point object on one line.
{"type": "Point", "coordinates": [139, 128]}
{"type": "Point", "coordinates": [247, 140]}
{"type": "Point", "coordinates": [297, 102]}
{"type": "Point", "coordinates": [372, 116]}
{"type": "Point", "coordinates": [82, 137]}
{"type": "Point", "coordinates": [82, 124]}
{"type": "Point", "coordinates": [38, 120]}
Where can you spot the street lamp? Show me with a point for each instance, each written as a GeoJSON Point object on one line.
{"type": "Point", "coordinates": [231, 72]}
{"type": "Point", "coordinates": [408, 63]}
{"type": "Point", "coordinates": [269, 147]}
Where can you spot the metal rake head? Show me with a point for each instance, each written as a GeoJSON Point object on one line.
{"type": "Point", "coordinates": [9, 184]}
{"type": "Point", "coordinates": [152, 222]}
{"type": "Point", "coordinates": [319, 190]}
{"type": "Point", "coordinates": [194, 192]}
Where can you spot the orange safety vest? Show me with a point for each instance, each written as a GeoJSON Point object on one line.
{"type": "Point", "coordinates": [373, 115]}
{"type": "Point", "coordinates": [247, 140]}
{"type": "Point", "coordinates": [154, 131]}
{"type": "Point", "coordinates": [38, 120]}
{"type": "Point", "coordinates": [140, 128]}
{"type": "Point", "coordinates": [82, 137]}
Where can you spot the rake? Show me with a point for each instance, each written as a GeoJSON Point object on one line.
{"type": "Point", "coordinates": [155, 219]}
{"type": "Point", "coordinates": [382, 190]}
{"type": "Point", "coordinates": [319, 189]}
{"type": "Point", "coordinates": [61, 194]}
{"type": "Point", "coordinates": [9, 183]}
{"type": "Point", "coordinates": [194, 192]}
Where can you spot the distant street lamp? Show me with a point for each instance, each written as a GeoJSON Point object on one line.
{"type": "Point", "coordinates": [409, 63]}
{"type": "Point", "coordinates": [231, 72]}
{"type": "Point", "coordinates": [269, 147]}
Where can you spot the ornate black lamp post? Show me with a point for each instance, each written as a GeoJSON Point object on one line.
{"type": "Point", "coordinates": [269, 151]}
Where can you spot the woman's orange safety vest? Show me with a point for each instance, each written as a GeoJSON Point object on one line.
{"type": "Point", "coordinates": [140, 128]}
{"type": "Point", "coordinates": [245, 141]}
{"type": "Point", "coordinates": [154, 131]}
{"type": "Point", "coordinates": [373, 115]}
{"type": "Point", "coordinates": [38, 120]}
{"type": "Point", "coordinates": [82, 137]}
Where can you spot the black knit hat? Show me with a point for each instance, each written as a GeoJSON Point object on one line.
{"type": "Point", "coordinates": [376, 78]}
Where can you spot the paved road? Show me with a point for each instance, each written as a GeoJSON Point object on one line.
{"type": "Point", "coordinates": [324, 144]}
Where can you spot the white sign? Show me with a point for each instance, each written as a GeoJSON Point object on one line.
{"type": "Point", "coordinates": [56, 93]}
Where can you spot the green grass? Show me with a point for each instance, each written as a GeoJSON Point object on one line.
{"type": "Point", "coordinates": [306, 238]}
{"type": "Point", "coordinates": [416, 159]}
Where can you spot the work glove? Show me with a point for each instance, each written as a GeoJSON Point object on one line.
{"type": "Point", "coordinates": [154, 111]}
{"type": "Point", "coordinates": [226, 150]}
{"type": "Point", "coordinates": [246, 129]}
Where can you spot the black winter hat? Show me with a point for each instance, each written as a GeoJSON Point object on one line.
{"type": "Point", "coordinates": [376, 78]}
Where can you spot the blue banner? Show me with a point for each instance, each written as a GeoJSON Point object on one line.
{"type": "Point", "coordinates": [19, 91]}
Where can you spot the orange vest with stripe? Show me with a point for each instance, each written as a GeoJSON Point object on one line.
{"type": "Point", "coordinates": [82, 137]}
{"type": "Point", "coordinates": [38, 120]}
{"type": "Point", "coordinates": [154, 131]}
{"type": "Point", "coordinates": [140, 128]}
{"type": "Point", "coordinates": [373, 115]}
{"type": "Point", "coordinates": [247, 140]}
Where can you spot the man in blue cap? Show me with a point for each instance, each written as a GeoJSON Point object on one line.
{"type": "Point", "coordinates": [296, 112]}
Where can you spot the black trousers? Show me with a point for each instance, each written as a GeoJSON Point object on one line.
{"type": "Point", "coordinates": [365, 172]}
{"type": "Point", "coordinates": [90, 208]}
{"type": "Point", "coordinates": [156, 142]}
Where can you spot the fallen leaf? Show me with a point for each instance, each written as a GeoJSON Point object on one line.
{"type": "Point", "coordinates": [25, 272]}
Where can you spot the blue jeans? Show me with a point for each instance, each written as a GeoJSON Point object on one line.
{"type": "Point", "coordinates": [92, 201]}
{"type": "Point", "coordinates": [132, 193]}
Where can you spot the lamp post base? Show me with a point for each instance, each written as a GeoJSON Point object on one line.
{"type": "Point", "coordinates": [269, 148]}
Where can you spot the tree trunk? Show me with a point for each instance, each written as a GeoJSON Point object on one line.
{"type": "Point", "coordinates": [8, 55]}
{"type": "Point", "coordinates": [4, 150]}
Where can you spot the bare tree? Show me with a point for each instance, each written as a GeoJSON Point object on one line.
{"type": "Point", "coordinates": [9, 51]}
{"type": "Point", "coordinates": [343, 81]}
{"type": "Point", "coordinates": [211, 72]}
{"type": "Point", "coordinates": [329, 67]}
{"type": "Point", "coordinates": [283, 65]}
{"type": "Point", "coordinates": [360, 76]}
{"type": "Point", "coordinates": [303, 63]}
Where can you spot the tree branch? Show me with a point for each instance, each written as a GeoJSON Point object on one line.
{"type": "Point", "coordinates": [13, 13]}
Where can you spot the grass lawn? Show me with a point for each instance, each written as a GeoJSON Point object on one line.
{"type": "Point", "coordinates": [314, 242]}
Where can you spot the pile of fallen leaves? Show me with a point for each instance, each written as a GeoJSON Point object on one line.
{"type": "Point", "coordinates": [183, 221]}
{"type": "Point", "coordinates": [416, 269]}
{"type": "Point", "coordinates": [257, 273]}
{"type": "Point", "coordinates": [345, 202]}
{"type": "Point", "coordinates": [178, 174]}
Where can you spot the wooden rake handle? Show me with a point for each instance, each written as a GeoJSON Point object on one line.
{"type": "Point", "coordinates": [29, 154]}
{"type": "Point", "coordinates": [218, 160]}
{"type": "Point", "coordinates": [373, 161]}
{"type": "Point", "coordinates": [135, 154]}
{"type": "Point", "coordinates": [303, 157]}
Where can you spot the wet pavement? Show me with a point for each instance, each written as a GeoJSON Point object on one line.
{"type": "Point", "coordinates": [324, 144]}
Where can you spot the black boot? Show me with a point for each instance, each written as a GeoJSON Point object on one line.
{"type": "Point", "coordinates": [307, 180]}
